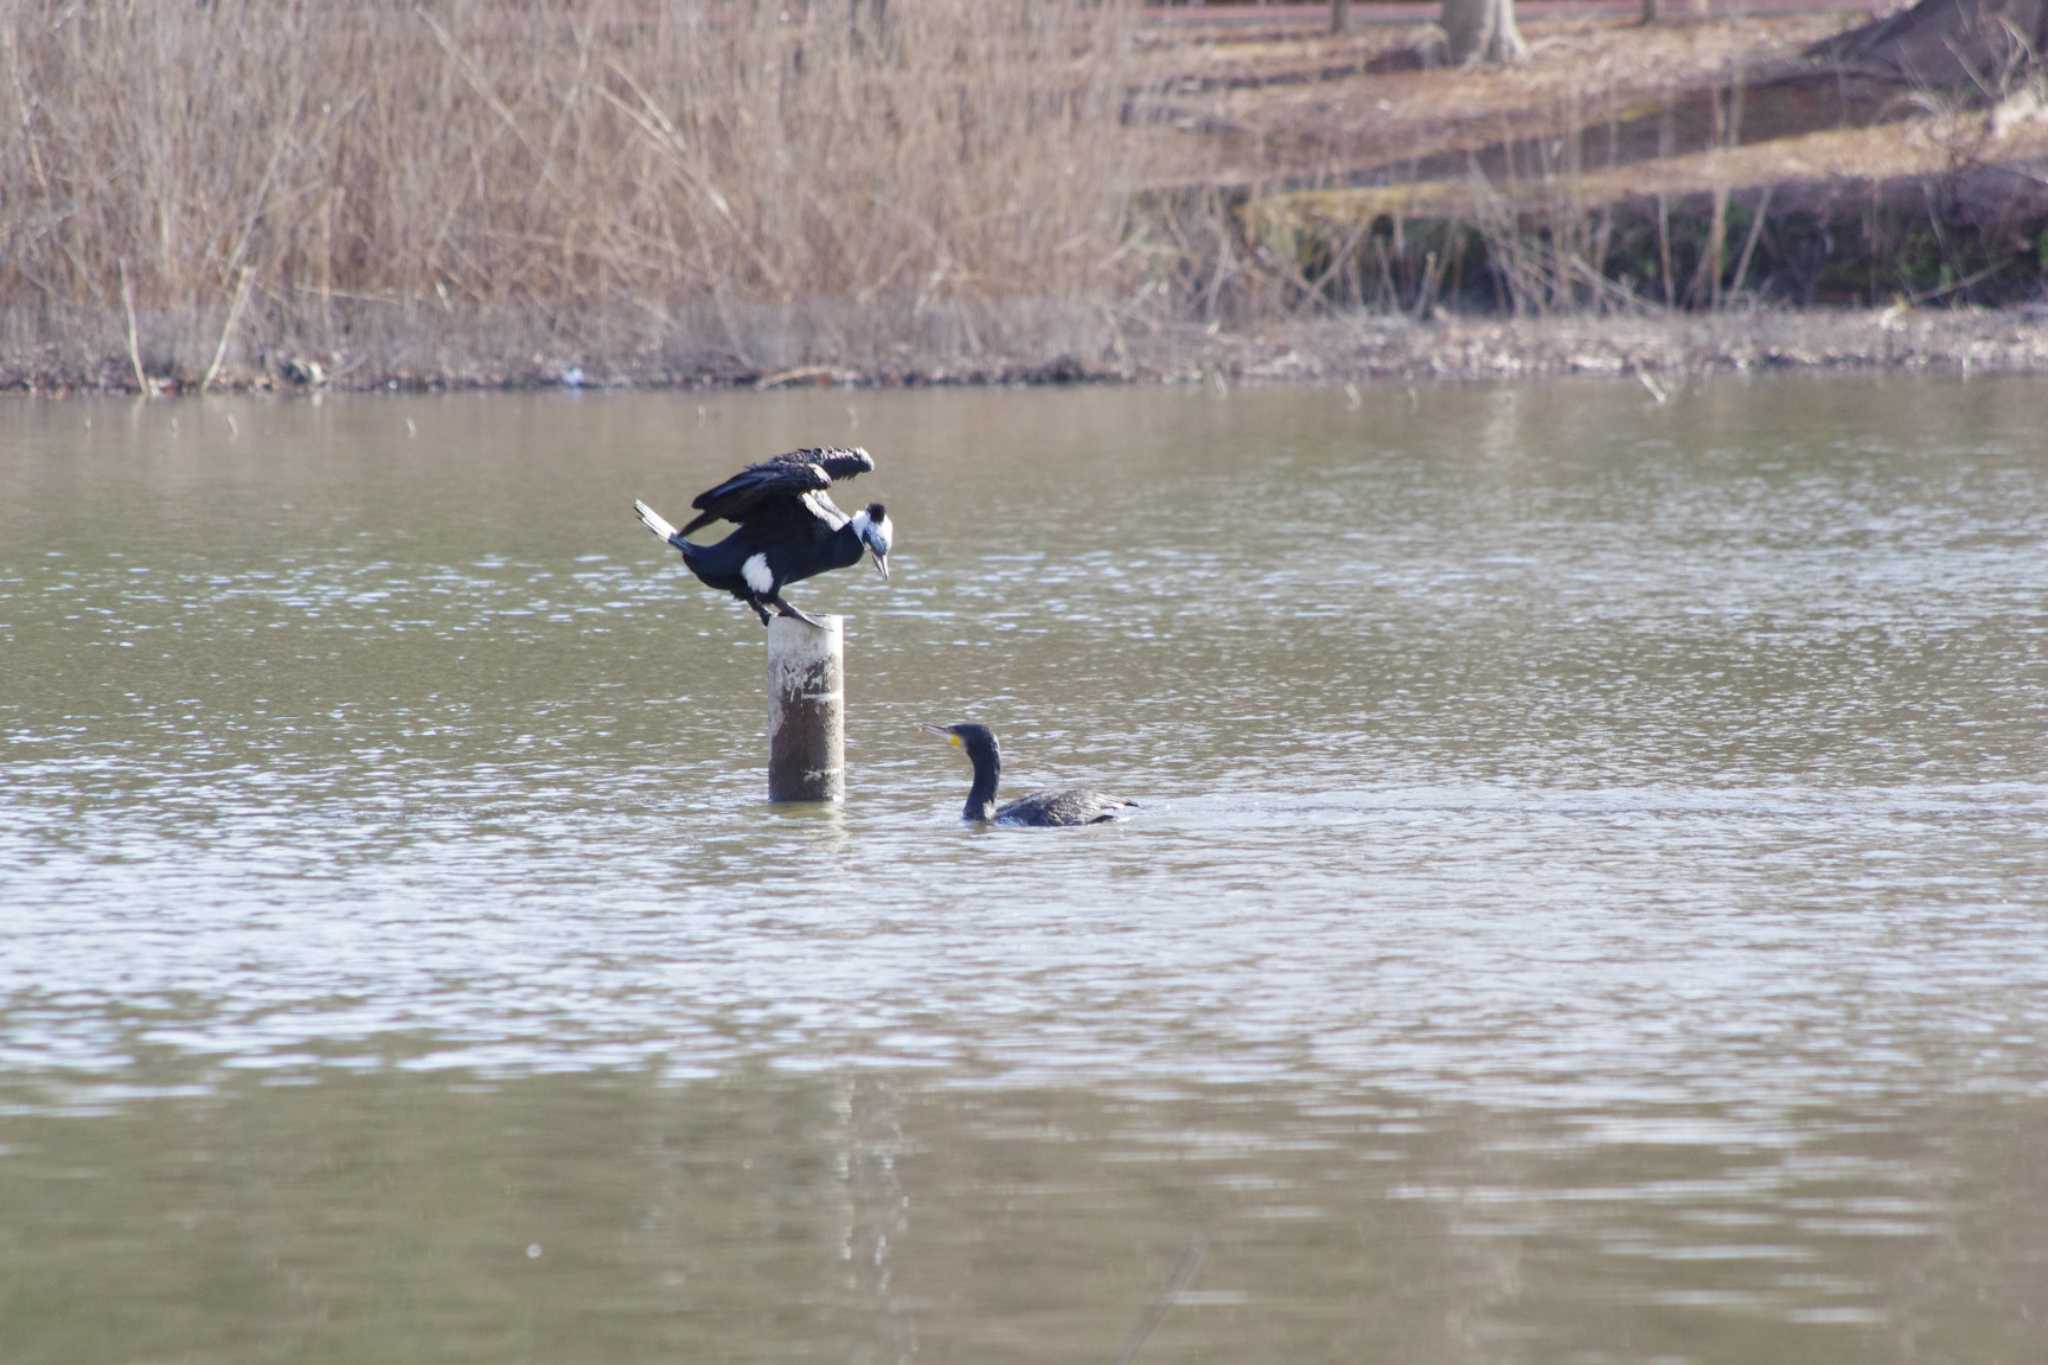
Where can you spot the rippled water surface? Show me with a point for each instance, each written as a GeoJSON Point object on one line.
{"type": "Point", "coordinates": [1589, 901]}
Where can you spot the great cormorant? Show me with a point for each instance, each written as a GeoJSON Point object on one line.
{"type": "Point", "coordinates": [788, 527]}
{"type": "Point", "coordinates": [1076, 806]}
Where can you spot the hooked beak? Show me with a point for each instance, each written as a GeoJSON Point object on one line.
{"type": "Point", "coordinates": [881, 562]}
{"type": "Point", "coordinates": [941, 731]}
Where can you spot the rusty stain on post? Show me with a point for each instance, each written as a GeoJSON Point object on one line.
{"type": "Point", "coordinates": [806, 710]}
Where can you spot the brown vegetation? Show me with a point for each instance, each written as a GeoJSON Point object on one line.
{"type": "Point", "coordinates": [492, 191]}
{"type": "Point", "coordinates": [1618, 168]}
{"type": "Point", "coordinates": [531, 182]}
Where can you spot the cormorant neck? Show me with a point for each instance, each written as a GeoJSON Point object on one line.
{"type": "Point", "coordinates": [981, 797]}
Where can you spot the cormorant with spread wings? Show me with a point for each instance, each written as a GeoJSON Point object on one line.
{"type": "Point", "coordinates": [788, 526]}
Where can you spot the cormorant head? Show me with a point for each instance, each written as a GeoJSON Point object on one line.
{"type": "Point", "coordinates": [978, 740]}
{"type": "Point", "coordinates": [872, 525]}
{"type": "Point", "coordinates": [980, 743]}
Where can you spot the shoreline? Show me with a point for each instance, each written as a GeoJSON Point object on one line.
{"type": "Point", "coordinates": [1200, 204]}
{"type": "Point", "coordinates": [1359, 349]}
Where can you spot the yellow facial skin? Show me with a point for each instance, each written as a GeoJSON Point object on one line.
{"type": "Point", "coordinates": [953, 740]}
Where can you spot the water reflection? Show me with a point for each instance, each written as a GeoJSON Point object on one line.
{"type": "Point", "coordinates": [609, 1214]}
{"type": "Point", "coordinates": [1585, 901]}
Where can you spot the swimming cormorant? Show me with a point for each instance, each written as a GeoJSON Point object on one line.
{"type": "Point", "coordinates": [788, 527]}
{"type": "Point", "coordinates": [1076, 806]}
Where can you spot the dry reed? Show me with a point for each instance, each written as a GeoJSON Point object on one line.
{"type": "Point", "coordinates": [741, 185]}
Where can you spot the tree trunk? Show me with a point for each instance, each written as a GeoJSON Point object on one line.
{"type": "Point", "coordinates": [1481, 30]}
{"type": "Point", "coordinates": [1978, 44]}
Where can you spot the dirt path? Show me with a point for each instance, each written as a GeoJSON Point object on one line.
{"type": "Point", "coordinates": [1297, 20]}
{"type": "Point", "coordinates": [1686, 163]}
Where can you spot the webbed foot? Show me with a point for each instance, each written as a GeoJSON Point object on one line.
{"type": "Point", "coordinates": [787, 610]}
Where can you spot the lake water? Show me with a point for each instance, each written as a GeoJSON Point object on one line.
{"type": "Point", "coordinates": [1589, 902]}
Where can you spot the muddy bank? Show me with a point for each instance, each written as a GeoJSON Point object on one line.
{"type": "Point", "coordinates": [2007, 341]}
{"type": "Point", "coordinates": [1360, 349]}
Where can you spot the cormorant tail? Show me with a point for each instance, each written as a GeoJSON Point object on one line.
{"type": "Point", "coordinates": [656, 523]}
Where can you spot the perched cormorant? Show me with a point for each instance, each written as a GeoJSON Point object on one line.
{"type": "Point", "coordinates": [788, 527]}
{"type": "Point", "coordinates": [1076, 806]}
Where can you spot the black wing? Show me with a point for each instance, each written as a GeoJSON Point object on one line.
{"type": "Point", "coordinates": [784, 476]}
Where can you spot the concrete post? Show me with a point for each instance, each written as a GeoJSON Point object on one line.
{"type": "Point", "coordinates": [806, 710]}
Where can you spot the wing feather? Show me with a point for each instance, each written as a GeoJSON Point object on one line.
{"type": "Point", "coordinates": [811, 470]}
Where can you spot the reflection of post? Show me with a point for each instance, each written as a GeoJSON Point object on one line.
{"type": "Point", "coordinates": [806, 710]}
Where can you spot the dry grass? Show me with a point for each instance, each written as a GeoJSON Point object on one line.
{"type": "Point", "coordinates": [492, 190]}
{"type": "Point", "coordinates": [1731, 174]}
{"type": "Point", "coordinates": [747, 184]}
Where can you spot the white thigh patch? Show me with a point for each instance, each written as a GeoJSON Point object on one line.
{"type": "Point", "coordinates": [755, 571]}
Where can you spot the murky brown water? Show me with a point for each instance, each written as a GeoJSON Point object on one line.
{"type": "Point", "coordinates": [1590, 901]}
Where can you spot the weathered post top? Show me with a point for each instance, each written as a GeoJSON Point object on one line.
{"type": "Point", "coordinates": [806, 710]}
